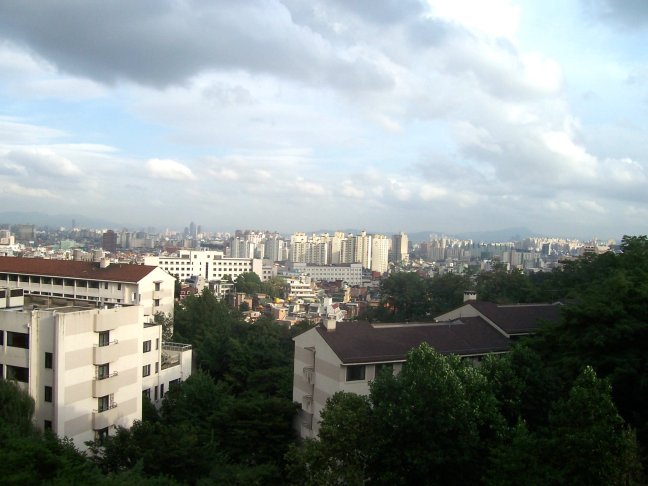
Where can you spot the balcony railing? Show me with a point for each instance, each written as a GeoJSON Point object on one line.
{"type": "Point", "coordinates": [105, 385]}
{"type": "Point", "coordinates": [105, 418]}
{"type": "Point", "coordinates": [107, 353]}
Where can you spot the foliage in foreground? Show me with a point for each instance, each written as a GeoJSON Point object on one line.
{"type": "Point", "coordinates": [443, 421]}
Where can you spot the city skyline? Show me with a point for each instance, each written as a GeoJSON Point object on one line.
{"type": "Point", "coordinates": [390, 116]}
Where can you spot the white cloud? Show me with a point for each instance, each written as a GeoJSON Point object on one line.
{"type": "Point", "coordinates": [37, 161]}
{"type": "Point", "coordinates": [22, 191]}
{"type": "Point", "coordinates": [169, 169]}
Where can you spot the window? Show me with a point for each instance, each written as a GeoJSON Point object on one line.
{"type": "Point", "coordinates": [93, 284]}
{"type": "Point", "coordinates": [103, 403]}
{"type": "Point", "coordinates": [103, 371]}
{"type": "Point", "coordinates": [146, 370]}
{"type": "Point", "coordinates": [100, 435]}
{"type": "Point", "coordinates": [18, 373]}
{"type": "Point", "coordinates": [174, 383]}
{"type": "Point", "coordinates": [147, 393]}
{"type": "Point", "coordinates": [157, 285]}
{"type": "Point", "coordinates": [157, 366]}
{"type": "Point", "coordinates": [18, 339]}
{"type": "Point", "coordinates": [106, 285]}
{"type": "Point", "coordinates": [384, 368]}
{"type": "Point", "coordinates": [355, 373]}
{"type": "Point", "coordinates": [118, 286]}
{"type": "Point", "coordinates": [104, 338]}
{"type": "Point", "coordinates": [157, 343]}
{"type": "Point", "coordinates": [48, 394]}
{"type": "Point", "coordinates": [162, 390]}
{"type": "Point", "coordinates": [155, 392]}
{"type": "Point", "coordinates": [156, 302]}
{"type": "Point", "coordinates": [47, 425]}
{"type": "Point", "coordinates": [49, 358]}
{"type": "Point", "coordinates": [1, 337]}
{"type": "Point", "coordinates": [147, 346]}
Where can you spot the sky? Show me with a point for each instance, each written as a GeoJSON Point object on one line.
{"type": "Point", "coordinates": [289, 115]}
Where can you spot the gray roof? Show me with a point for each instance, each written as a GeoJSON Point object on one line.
{"type": "Point", "coordinates": [362, 342]}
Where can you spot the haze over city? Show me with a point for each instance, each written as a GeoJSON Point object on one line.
{"type": "Point", "coordinates": [386, 115]}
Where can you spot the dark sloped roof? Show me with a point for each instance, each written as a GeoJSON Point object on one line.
{"type": "Point", "coordinates": [362, 342]}
{"type": "Point", "coordinates": [116, 272]}
{"type": "Point", "coordinates": [518, 318]}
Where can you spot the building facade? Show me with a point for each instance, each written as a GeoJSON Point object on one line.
{"type": "Point", "coordinates": [87, 368]}
{"type": "Point", "coordinates": [211, 265]}
{"type": "Point", "coordinates": [99, 282]}
{"type": "Point", "coordinates": [346, 356]}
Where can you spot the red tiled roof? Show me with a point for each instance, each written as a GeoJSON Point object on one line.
{"type": "Point", "coordinates": [518, 318]}
{"type": "Point", "coordinates": [362, 342]}
{"type": "Point", "coordinates": [116, 272]}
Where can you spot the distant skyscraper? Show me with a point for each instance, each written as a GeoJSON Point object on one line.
{"type": "Point", "coordinates": [399, 248]}
{"type": "Point", "coordinates": [109, 241]}
{"type": "Point", "coordinates": [193, 230]}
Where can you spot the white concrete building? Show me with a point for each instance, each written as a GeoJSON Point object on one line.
{"type": "Point", "coordinates": [351, 273]}
{"type": "Point", "coordinates": [363, 249]}
{"type": "Point", "coordinates": [212, 265]}
{"type": "Point", "coordinates": [86, 368]}
{"type": "Point", "coordinates": [100, 282]}
{"type": "Point", "coordinates": [300, 288]}
{"type": "Point", "coordinates": [380, 253]}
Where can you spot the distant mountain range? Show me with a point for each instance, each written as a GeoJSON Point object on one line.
{"type": "Point", "coordinates": [54, 220]}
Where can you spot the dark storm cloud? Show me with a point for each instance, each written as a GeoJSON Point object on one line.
{"type": "Point", "coordinates": [162, 42]}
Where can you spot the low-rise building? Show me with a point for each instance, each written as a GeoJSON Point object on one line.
{"type": "Point", "coordinates": [346, 356]}
{"type": "Point", "coordinates": [100, 282]}
{"type": "Point", "coordinates": [211, 265]}
{"type": "Point", "coordinates": [351, 273]}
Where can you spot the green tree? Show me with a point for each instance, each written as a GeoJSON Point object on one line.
{"type": "Point", "coordinates": [505, 287]}
{"type": "Point", "coordinates": [342, 452]}
{"type": "Point", "coordinates": [248, 282]}
{"type": "Point", "coordinates": [404, 297]}
{"type": "Point", "coordinates": [447, 291]}
{"type": "Point", "coordinates": [442, 417]}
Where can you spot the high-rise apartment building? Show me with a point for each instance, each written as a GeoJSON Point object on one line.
{"type": "Point", "coordinates": [109, 241]}
{"type": "Point", "coordinates": [399, 252]}
{"type": "Point", "coordinates": [363, 249]}
{"type": "Point", "coordinates": [380, 253]}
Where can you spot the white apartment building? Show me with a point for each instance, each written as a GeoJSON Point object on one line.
{"type": "Point", "coordinates": [100, 282]}
{"type": "Point", "coordinates": [363, 249]}
{"type": "Point", "coordinates": [212, 265]}
{"type": "Point", "coordinates": [380, 253]}
{"type": "Point", "coordinates": [351, 273]}
{"type": "Point", "coordinates": [87, 368]}
{"type": "Point", "coordinates": [300, 288]}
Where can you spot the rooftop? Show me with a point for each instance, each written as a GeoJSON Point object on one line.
{"type": "Point", "coordinates": [363, 342]}
{"type": "Point", "coordinates": [116, 272]}
{"type": "Point", "coordinates": [518, 318]}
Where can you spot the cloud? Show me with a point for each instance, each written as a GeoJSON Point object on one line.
{"type": "Point", "coordinates": [18, 190]}
{"type": "Point", "coordinates": [627, 13]}
{"type": "Point", "coordinates": [106, 41]}
{"type": "Point", "coordinates": [169, 169]}
{"type": "Point", "coordinates": [38, 161]}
